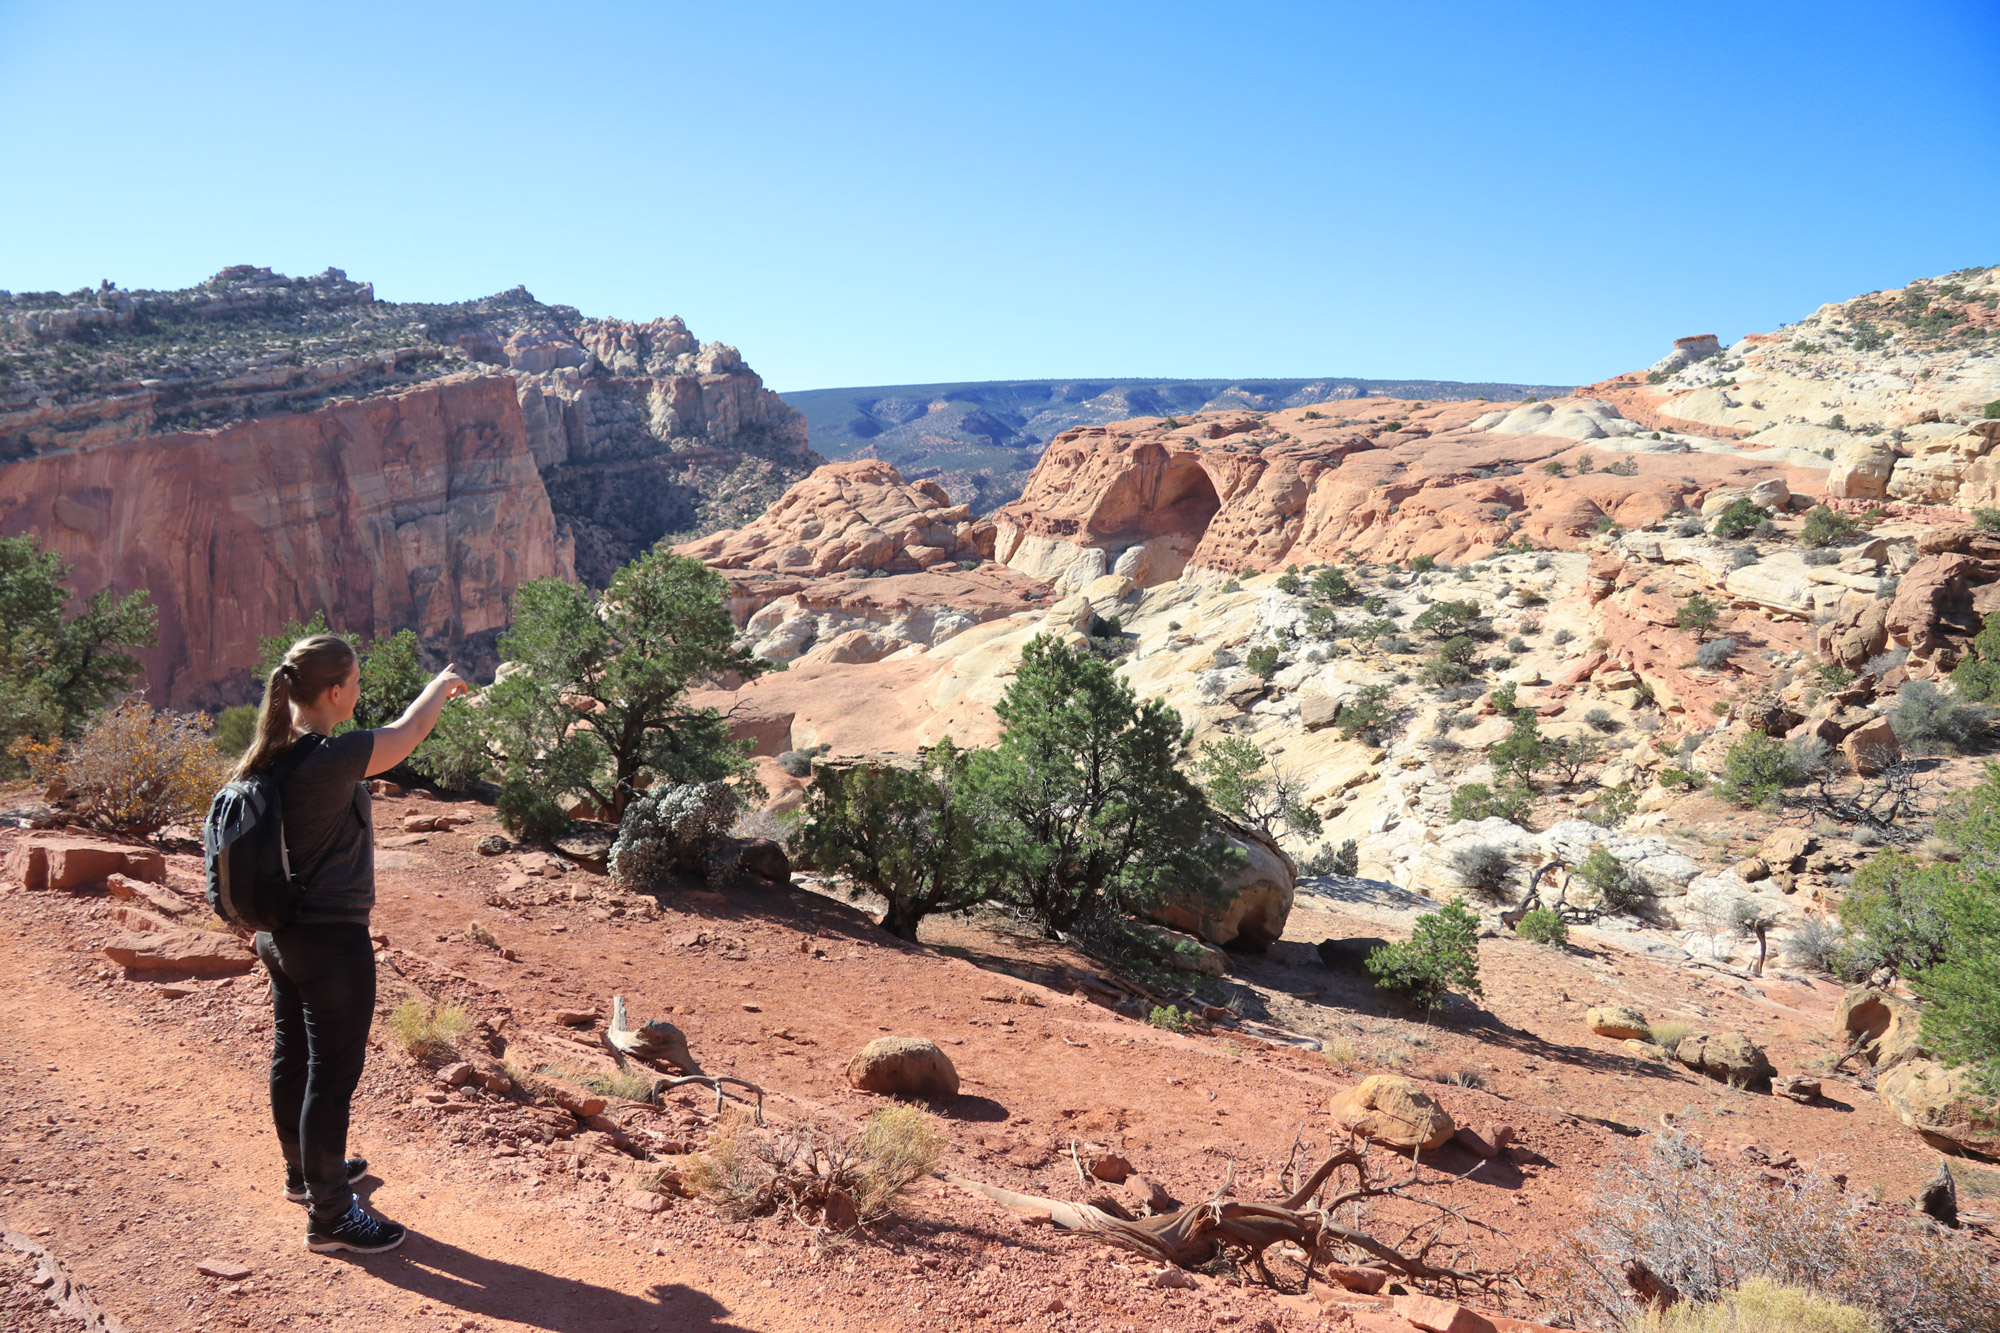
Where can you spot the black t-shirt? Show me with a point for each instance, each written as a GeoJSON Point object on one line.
{"type": "Point", "coordinates": [330, 829]}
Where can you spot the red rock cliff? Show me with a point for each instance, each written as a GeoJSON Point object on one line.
{"type": "Point", "coordinates": [422, 509]}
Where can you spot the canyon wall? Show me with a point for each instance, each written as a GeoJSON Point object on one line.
{"type": "Point", "coordinates": [421, 509]}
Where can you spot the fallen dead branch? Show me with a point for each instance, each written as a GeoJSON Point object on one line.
{"type": "Point", "coordinates": [663, 1043]}
{"type": "Point", "coordinates": [1196, 1234]}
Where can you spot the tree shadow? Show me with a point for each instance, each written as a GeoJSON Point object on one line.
{"type": "Point", "coordinates": [496, 1289]}
{"type": "Point", "coordinates": [966, 1107]}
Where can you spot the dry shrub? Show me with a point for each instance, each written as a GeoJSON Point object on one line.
{"type": "Point", "coordinates": [1759, 1306]}
{"type": "Point", "coordinates": [135, 769]}
{"type": "Point", "coordinates": [1710, 1230]}
{"type": "Point", "coordinates": [814, 1172]}
{"type": "Point", "coordinates": [430, 1031]}
{"type": "Point", "coordinates": [1667, 1034]}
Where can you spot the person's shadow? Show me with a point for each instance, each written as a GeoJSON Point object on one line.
{"type": "Point", "coordinates": [480, 1286]}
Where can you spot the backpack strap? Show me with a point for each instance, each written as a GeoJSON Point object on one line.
{"type": "Point", "coordinates": [281, 770]}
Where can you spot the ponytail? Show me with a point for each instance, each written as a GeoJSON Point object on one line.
{"type": "Point", "coordinates": [311, 667]}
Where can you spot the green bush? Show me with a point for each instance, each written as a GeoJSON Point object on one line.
{"type": "Point", "coordinates": [1608, 878]}
{"type": "Point", "coordinates": [1828, 527]}
{"type": "Point", "coordinates": [1614, 806]}
{"type": "Point", "coordinates": [922, 838]}
{"type": "Point", "coordinates": [235, 728]}
{"type": "Point", "coordinates": [1740, 519]}
{"type": "Point", "coordinates": [1446, 620]}
{"type": "Point", "coordinates": [1171, 1017]}
{"type": "Point", "coordinates": [529, 813]}
{"type": "Point", "coordinates": [1756, 769]}
{"type": "Point", "coordinates": [1289, 582]}
{"type": "Point", "coordinates": [1368, 715]}
{"type": "Point", "coordinates": [601, 694]}
{"type": "Point", "coordinates": [1451, 663]}
{"type": "Point", "coordinates": [1475, 801]}
{"type": "Point", "coordinates": [1977, 675]}
{"type": "Point", "coordinates": [1681, 778]}
{"type": "Point", "coordinates": [1961, 988]}
{"type": "Point", "coordinates": [1094, 813]}
{"type": "Point", "coordinates": [1522, 754]}
{"type": "Point", "coordinates": [1422, 564]}
{"type": "Point", "coordinates": [56, 671]}
{"type": "Point", "coordinates": [1240, 780]}
{"type": "Point", "coordinates": [1893, 918]}
{"type": "Point", "coordinates": [1262, 661]}
{"type": "Point", "coordinates": [1992, 410]}
{"type": "Point", "coordinates": [1986, 520]}
{"type": "Point", "coordinates": [1700, 614]}
{"type": "Point", "coordinates": [1441, 955]}
{"type": "Point", "coordinates": [1347, 861]}
{"type": "Point", "coordinates": [1333, 586]}
{"type": "Point", "coordinates": [1544, 925]}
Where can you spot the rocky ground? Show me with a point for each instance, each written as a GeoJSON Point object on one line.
{"type": "Point", "coordinates": [134, 1146]}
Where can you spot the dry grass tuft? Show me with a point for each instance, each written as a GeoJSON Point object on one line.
{"type": "Point", "coordinates": [430, 1031]}
{"type": "Point", "coordinates": [481, 936]}
{"type": "Point", "coordinates": [1759, 1306]}
{"type": "Point", "coordinates": [813, 1172]}
{"type": "Point", "coordinates": [1667, 1035]}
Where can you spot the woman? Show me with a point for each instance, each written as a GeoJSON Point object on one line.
{"type": "Point", "coordinates": [322, 966]}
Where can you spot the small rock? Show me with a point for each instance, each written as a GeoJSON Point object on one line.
{"type": "Point", "coordinates": [1618, 1020]}
{"type": "Point", "coordinates": [225, 1269]}
{"type": "Point", "coordinates": [1394, 1110]}
{"type": "Point", "coordinates": [1442, 1316]}
{"type": "Point", "coordinates": [1730, 1056]}
{"type": "Point", "coordinates": [493, 845]}
{"type": "Point", "coordinates": [1797, 1087]}
{"type": "Point", "coordinates": [457, 1074]}
{"type": "Point", "coordinates": [1872, 748]}
{"type": "Point", "coordinates": [1475, 1143]}
{"type": "Point", "coordinates": [384, 788]}
{"type": "Point", "coordinates": [1751, 869]}
{"type": "Point", "coordinates": [766, 860]}
{"type": "Point", "coordinates": [1367, 1281]}
{"type": "Point", "coordinates": [419, 794]}
{"type": "Point", "coordinates": [645, 1201]}
{"type": "Point", "coordinates": [1173, 1278]}
{"type": "Point", "coordinates": [1112, 1168]}
{"type": "Point", "coordinates": [903, 1066]}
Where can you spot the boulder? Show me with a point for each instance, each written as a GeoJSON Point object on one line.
{"type": "Point", "coordinates": [1771, 494]}
{"type": "Point", "coordinates": [1943, 1106]}
{"type": "Point", "coordinates": [1317, 710]}
{"type": "Point", "coordinates": [1785, 847]}
{"type": "Point", "coordinates": [1619, 1020]}
{"type": "Point", "coordinates": [766, 860]}
{"type": "Point", "coordinates": [1393, 1110]}
{"type": "Point", "coordinates": [1729, 1056]}
{"type": "Point", "coordinates": [1751, 869]}
{"type": "Point", "coordinates": [1250, 910]}
{"type": "Point", "coordinates": [1767, 713]}
{"type": "Point", "coordinates": [1861, 470]}
{"type": "Point", "coordinates": [204, 953]}
{"type": "Point", "coordinates": [1888, 1028]}
{"type": "Point", "coordinates": [72, 862]}
{"type": "Point", "coordinates": [903, 1067]}
{"type": "Point", "coordinates": [1872, 748]}
{"type": "Point", "coordinates": [1367, 1281]}
{"type": "Point", "coordinates": [1933, 596]}
{"type": "Point", "coordinates": [1854, 635]}
{"type": "Point", "coordinates": [1779, 586]}
{"type": "Point", "coordinates": [1796, 1087]}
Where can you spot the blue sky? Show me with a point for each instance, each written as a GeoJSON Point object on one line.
{"type": "Point", "coordinates": [867, 194]}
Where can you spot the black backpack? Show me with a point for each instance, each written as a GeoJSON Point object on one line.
{"type": "Point", "coordinates": [250, 883]}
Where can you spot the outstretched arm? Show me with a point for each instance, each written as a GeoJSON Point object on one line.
{"type": "Point", "coordinates": [395, 742]}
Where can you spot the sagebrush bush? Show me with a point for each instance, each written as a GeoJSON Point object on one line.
{"type": "Point", "coordinates": [1829, 527]}
{"type": "Point", "coordinates": [1756, 769]}
{"type": "Point", "coordinates": [1476, 801]}
{"type": "Point", "coordinates": [1928, 720]}
{"type": "Point", "coordinates": [1814, 943]}
{"type": "Point", "coordinates": [136, 769]}
{"type": "Point", "coordinates": [816, 1171]}
{"type": "Point", "coordinates": [1483, 868]}
{"type": "Point", "coordinates": [1715, 654]}
{"type": "Point", "coordinates": [673, 829]}
{"type": "Point", "coordinates": [1715, 1230]}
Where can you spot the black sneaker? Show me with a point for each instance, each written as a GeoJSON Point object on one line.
{"type": "Point", "coordinates": [295, 1179]}
{"type": "Point", "coordinates": [358, 1230]}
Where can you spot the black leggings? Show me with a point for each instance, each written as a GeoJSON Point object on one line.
{"type": "Point", "coordinates": [323, 997]}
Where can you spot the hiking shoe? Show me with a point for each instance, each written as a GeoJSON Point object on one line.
{"type": "Point", "coordinates": [357, 1230]}
{"type": "Point", "coordinates": [295, 1179]}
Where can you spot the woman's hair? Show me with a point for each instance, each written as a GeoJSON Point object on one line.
{"type": "Point", "coordinates": [312, 666]}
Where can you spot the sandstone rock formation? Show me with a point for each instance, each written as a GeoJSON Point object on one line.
{"type": "Point", "coordinates": [1235, 493]}
{"type": "Point", "coordinates": [1391, 1109]}
{"type": "Point", "coordinates": [219, 470]}
{"type": "Point", "coordinates": [1885, 1029]}
{"type": "Point", "coordinates": [1942, 1105]}
{"type": "Point", "coordinates": [1729, 1056]}
{"type": "Point", "coordinates": [420, 509]}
